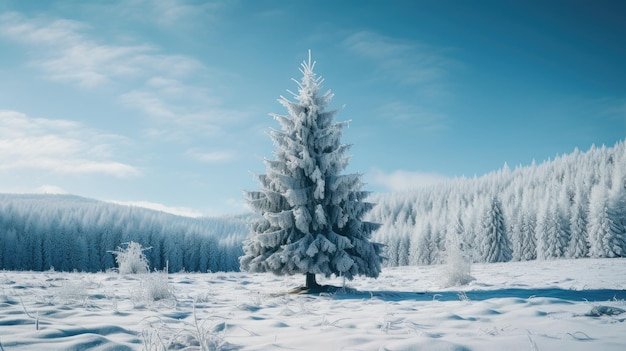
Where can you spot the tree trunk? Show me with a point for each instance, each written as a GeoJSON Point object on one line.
{"type": "Point", "coordinates": [311, 283]}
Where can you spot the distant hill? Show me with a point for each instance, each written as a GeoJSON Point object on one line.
{"type": "Point", "coordinates": [571, 207]}
{"type": "Point", "coordinates": [65, 232]}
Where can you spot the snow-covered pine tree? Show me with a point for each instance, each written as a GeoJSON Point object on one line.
{"type": "Point", "coordinates": [527, 236]}
{"type": "Point", "coordinates": [458, 236]}
{"type": "Point", "coordinates": [515, 235]}
{"type": "Point", "coordinates": [578, 245]}
{"type": "Point", "coordinates": [554, 237]}
{"type": "Point", "coordinates": [403, 250]}
{"type": "Point", "coordinates": [496, 246]}
{"type": "Point", "coordinates": [606, 238]}
{"type": "Point", "coordinates": [311, 214]}
{"type": "Point", "coordinates": [423, 249]}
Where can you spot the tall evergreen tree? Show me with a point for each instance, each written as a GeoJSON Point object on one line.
{"type": "Point", "coordinates": [527, 236]}
{"type": "Point", "coordinates": [553, 236]}
{"type": "Point", "coordinates": [311, 215]}
{"type": "Point", "coordinates": [606, 234]}
{"type": "Point", "coordinates": [496, 246]}
{"type": "Point", "coordinates": [515, 235]}
{"type": "Point", "coordinates": [578, 245]}
{"type": "Point", "coordinates": [423, 249]}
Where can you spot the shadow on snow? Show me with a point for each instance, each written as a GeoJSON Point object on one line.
{"type": "Point", "coordinates": [592, 295]}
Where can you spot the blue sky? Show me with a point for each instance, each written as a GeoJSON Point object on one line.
{"type": "Point", "coordinates": [166, 103]}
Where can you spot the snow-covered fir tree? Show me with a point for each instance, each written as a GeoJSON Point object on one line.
{"type": "Point", "coordinates": [423, 248]}
{"type": "Point", "coordinates": [578, 245]}
{"type": "Point", "coordinates": [527, 236]}
{"type": "Point", "coordinates": [311, 215]}
{"type": "Point", "coordinates": [553, 235]}
{"type": "Point", "coordinates": [495, 246]}
{"type": "Point", "coordinates": [458, 237]}
{"type": "Point", "coordinates": [606, 235]}
{"type": "Point", "coordinates": [515, 234]}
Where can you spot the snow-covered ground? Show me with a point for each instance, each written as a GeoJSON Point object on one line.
{"type": "Point", "coordinates": [540, 305]}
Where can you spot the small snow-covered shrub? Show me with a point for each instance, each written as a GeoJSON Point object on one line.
{"type": "Point", "coordinates": [457, 268]}
{"type": "Point", "coordinates": [155, 286]}
{"type": "Point", "coordinates": [131, 259]}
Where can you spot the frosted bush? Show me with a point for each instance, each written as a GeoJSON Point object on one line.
{"type": "Point", "coordinates": [131, 259]}
{"type": "Point", "coordinates": [458, 267]}
{"type": "Point", "coordinates": [155, 286]}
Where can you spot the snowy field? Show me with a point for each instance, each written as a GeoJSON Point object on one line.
{"type": "Point", "coordinates": [539, 305]}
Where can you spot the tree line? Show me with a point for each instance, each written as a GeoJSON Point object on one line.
{"type": "Point", "coordinates": [571, 207]}
{"type": "Point", "coordinates": [67, 233]}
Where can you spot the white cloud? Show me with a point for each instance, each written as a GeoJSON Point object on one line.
{"type": "Point", "coordinates": [58, 146]}
{"type": "Point", "coordinates": [401, 180]}
{"type": "Point", "coordinates": [39, 31]}
{"type": "Point", "coordinates": [179, 211]}
{"type": "Point", "coordinates": [229, 206]}
{"type": "Point", "coordinates": [170, 89]}
{"type": "Point", "coordinates": [212, 156]}
{"type": "Point", "coordinates": [148, 103]}
{"type": "Point", "coordinates": [171, 101]}
{"type": "Point", "coordinates": [50, 189]}
{"type": "Point", "coordinates": [64, 51]}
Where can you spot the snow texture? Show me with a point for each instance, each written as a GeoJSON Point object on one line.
{"type": "Point", "coordinates": [574, 305]}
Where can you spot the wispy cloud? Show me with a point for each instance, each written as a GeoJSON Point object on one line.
{"type": "Point", "coordinates": [63, 50]}
{"type": "Point", "coordinates": [194, 108]}
{"type": "Point", "coordinates": [407, 62]}
{"type": "Point", "coordinates": [212, 156]}
{"type": "Point", "coordinates": [179, 211]}
{"type": "Point", "coordinates": [58, 146]}
{"type": "Point", "coordinates": [408, 113]}
{"type": "Point", "coordinates": [614, 108]}
{"type": "Point", "coordinates": [165, 13]}
{"type": "Point", "coordinates": [170, 89]}
{"type": "Point", "coordinates": [421, 69]}
{"type": "Point", "coordinates": [401, 180]}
